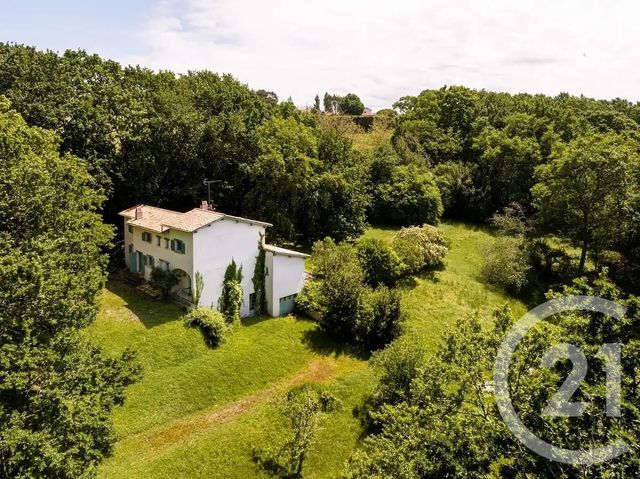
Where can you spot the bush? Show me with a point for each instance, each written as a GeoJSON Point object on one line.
{"type": "Point", "coordinates": [350, 310]}
{"type": "Point", "coordinates": [420, 248]}
{"type": "Point", "coordinates": [397, 365]}
{"type": "Point", "coordinates": [163, 280]}
{"type": "Point", "coordinates": [512, 221]}
{"type": "Point", "coordinates": [309, 300]}
{"type": "Point", "coordinates": [379, 318]}
{"type": "Point", "coordinates": [506, 263]}
{"type": "Point", "coordinates": [341, 297]}
{"type": "Point", "coordinates": [380, 263]}
{"type": "Point", "coordinates": [211, 324]}
{"type": "Point", "coordinates": [329, 257]}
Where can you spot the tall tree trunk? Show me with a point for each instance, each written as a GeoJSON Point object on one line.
{"type": "Point", "coordinates": [583, 255]}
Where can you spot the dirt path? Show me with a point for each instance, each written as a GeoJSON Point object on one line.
{"type": "Point", "coordinates": [150, 444]}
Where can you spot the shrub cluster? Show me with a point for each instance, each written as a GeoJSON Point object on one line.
{"type": "Point", "coordinates": [309, 300]}
{"type": "Point", "coordinates": [352, 295]}
{"type": "Point", "coordinates": [211, 324]}
{"type": "Point", "coordinates": [379, 317]}
{"type": "Point", "coordinates": [163, 280]}
{"type": "Point", "coordinates": [506, 264]}
{"type": "Point", "coordinates": [420, 248]}
{"type": "Point", "coordinates": [380, 263]}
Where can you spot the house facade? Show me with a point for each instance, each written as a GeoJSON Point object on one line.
{"type": "Point", "coordinates": [205, 241]}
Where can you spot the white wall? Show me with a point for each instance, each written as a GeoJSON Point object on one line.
{"type": "Point", "coordinates": [214, 248]}
{"type": "Point", "coordinates": [268, 282]}
{"type": "Point", "coordinates": [286, 277]}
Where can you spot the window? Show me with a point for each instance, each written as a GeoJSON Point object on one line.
{"type": "Point", "coordinates": [166, 243]}
{"type": "Point", "coordinates": [150, 261]}
{"type": "Point", "coordinates": [178, 246]}
{"type": "Point", "coordinates": [158, 240]}
{"type": "Point", "coordinates": [146, 237]}
{"type": "Point", "coordinates": [130, 228]}
{"type": "Point", "coordinates": [288, 298]}
{"type": "Point", "coordinates": [130, 248]}
{"type": "Point", "coordinates": [252, 302]}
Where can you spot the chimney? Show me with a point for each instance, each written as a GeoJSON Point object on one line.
{"type": "Point", "coordinates": [138, 212]}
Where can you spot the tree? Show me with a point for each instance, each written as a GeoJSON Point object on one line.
{"type": "Point", "coordinates": [316, 103]}
{"type": "Point", "coordinates": [332, 103]}
{"type": "Point", "coordinates": [439, 417]}
{"type": "Point", "coordinates": [303, 182]}
{"type": "Point", "coordinates": [268, 95]}
{"type": "Point", "coordinates": [455, 182]}
{"type": "Point", "coordinates": [259, 279]}
{"type": "Point", "coordinates": [380, 318]}
{"type": "Point", "coordinates": [199, 286]}
{"type": "Point", "coordinates": [303, 408]}
{"type": "Point", "coordinates": [505, 172]}
{"type": "Point", "coordinates": [407, 197]}
{"type": "Point", "coordinates": [380, 262]}
{"type": "Point", "coordinates": [351, 104]}
{"type": "Point", "coordinates": [397, 366]}
{"type": "Point", "coordinates": [350, 310]}
{"type": "Point", "coordinates": [151, 137]}
{"type": "Point", "coordinates": [281, 172]}
{"type": "Point", "coordinates": [326, 102]}
{"type": "Point", "coordinates": [230, 300]}
{"type": "Point", "coordinates": [583, 190]}
{"type": "Point", "coordinates": [57, 390]}
{"type": "Point", "coordinates": [429, 427]}
{"type": "Point", "coordinates": [341, 290]}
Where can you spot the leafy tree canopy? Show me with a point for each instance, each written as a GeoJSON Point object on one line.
{"type": "Point", "coordinates": [56, 389]}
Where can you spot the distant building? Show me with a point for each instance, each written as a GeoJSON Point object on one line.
{"type": "Point", "coordinates": [368, 112]}
{"type": "Point", "coordinates": [205, 241]}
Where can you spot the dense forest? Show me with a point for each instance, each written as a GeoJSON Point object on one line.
{"type": "Point", "coordinates": [83, 138]}
{"type": "Point", "coordinates": [153, 137]}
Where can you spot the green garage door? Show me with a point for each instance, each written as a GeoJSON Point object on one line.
{"type": "Point", "coordinates": [287, 304]}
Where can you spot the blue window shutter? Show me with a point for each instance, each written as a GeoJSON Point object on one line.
{"type": "Point", "coordinates": [173, 245]}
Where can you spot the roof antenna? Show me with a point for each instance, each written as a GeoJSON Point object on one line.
{"type": "Point", "coordinates": [208, 184]}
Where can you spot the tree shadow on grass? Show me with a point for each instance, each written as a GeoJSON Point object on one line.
{"type": "Point", "coordinates": [151, 312]}
{"type": "Point", "coordinates": [253, 320]}
{"type": "Point", "coordinates": [411, 282]}
{"type": "Point", "coordinates": [322, 343]}
{"type": "Point", "coordinates": [270, 463]}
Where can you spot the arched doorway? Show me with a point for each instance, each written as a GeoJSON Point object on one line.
{"type": "Point", "coordinates": [183, 288]}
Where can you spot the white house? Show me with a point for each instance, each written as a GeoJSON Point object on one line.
{"type": "Point", "coordinates": [205, 241]}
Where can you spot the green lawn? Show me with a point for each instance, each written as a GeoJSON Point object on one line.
{"type": "Point", "coordinates": [435, 301]}
{"type": "Point", "coordinates": [199, 412]}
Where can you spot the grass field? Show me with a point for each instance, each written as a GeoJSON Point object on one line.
{"type": "Point", "coordinates": [198, 412]}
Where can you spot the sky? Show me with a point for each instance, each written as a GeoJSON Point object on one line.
{"type": "Point", "coordinates": [381, 50]}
